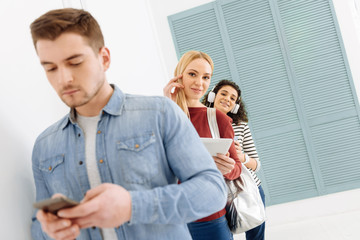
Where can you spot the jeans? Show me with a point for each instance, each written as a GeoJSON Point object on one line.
{"type": "Point", "coordinates": [216, 229]}
{"type": "Point", "coordinates": [257, 233]}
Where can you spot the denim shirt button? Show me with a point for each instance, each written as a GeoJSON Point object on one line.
{"type": "Point", "coordinates": [99, 132]}
{"type": "Point", "coordinates": [137, 146]}
{"type": "Point", "coordinates": [50, 167]}
{"type": "Point", "coordinates": [79, 134]}
{"type": "Point", "coordinates": [93, 228]}
{"type": "Point", "coordinates": [81, 162]}
{"type": "Point", "coordinates": [101, 161]}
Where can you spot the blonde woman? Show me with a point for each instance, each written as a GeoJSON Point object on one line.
{"type": "Point", "coordinates": [192, 78]}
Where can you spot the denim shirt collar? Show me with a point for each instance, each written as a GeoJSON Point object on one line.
{"type": "Point", "coordinates": [113, 107]}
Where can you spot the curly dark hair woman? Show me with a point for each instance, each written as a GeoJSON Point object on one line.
{"type": "Point", "coordinates": [241, 115]}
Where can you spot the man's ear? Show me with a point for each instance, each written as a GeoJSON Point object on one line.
{"type": "Point", "coordinates": [104, 54]}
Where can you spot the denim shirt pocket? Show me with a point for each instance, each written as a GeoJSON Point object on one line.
{"type": "Point", "coordinates": [53, 170]}
{"type": "Point", "coordinates": [138, 158]}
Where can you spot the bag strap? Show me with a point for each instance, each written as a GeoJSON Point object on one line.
{"type": "Point", "coordinates": [211, 116]}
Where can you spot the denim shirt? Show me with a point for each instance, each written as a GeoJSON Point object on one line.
{"type": "Point", "coordinates": [144, 144]}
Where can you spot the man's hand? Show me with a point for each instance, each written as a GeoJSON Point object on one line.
{"type": "Point", "coordinates": [224, 163]}
{"type": "Point", "coordinates": [105, 206]}
{"type": "Point", "coordinates": [57, 228]}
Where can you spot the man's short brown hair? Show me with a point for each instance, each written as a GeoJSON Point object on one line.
{"type": "Point", "coordinates": [56, 22]}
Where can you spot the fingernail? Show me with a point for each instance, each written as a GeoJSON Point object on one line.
{"type": "Point", "coordinates": [60, 214]}
{"type": "Point", "coordinates": [66, 223]}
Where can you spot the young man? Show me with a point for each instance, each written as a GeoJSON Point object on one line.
{"type": "Point", "coordinates": [120, 155]}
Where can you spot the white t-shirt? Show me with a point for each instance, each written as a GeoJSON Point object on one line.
{"type": "Point", "coordinates": [89, 127]}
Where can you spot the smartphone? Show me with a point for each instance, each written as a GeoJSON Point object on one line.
{"type": "Point", "coordinates": [53, 205]}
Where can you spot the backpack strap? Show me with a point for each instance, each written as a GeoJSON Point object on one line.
{"type": "Point", "coordinates": [211, 116]}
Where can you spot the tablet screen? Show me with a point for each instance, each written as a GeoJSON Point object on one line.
{"type": "Point", "coordinates": [217, 145]}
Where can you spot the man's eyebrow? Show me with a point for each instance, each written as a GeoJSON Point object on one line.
{"type": "Point", "coordinates": [45, 63]}
{"type": "Point", "coordinates": [74, 56]}
{"type": "Point", "coordinates": [67, 59]}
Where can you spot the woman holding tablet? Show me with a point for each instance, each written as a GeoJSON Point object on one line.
{"type": "Point", "coordinates": [228, 100]}
{"type": "Point", "coordinates": [192, 78]}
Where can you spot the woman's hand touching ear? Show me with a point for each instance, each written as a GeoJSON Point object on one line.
{"type": "Point", "coordinates": [172, 87]}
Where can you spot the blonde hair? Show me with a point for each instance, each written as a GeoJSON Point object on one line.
{"type": "Point", "coordinates": [184, 61]}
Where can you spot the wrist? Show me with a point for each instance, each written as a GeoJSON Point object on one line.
{"type": "Point", "coordinates": [246, 158]}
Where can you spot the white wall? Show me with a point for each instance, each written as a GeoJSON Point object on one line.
{"type": "Point", "coordinates": [159, 10]}
{"type": "Point", "coordinates": [28, 104]}
{"type": "Point", "coordinates": [350, 30]}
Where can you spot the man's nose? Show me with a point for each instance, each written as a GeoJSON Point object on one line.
{"type": "Point", "coordinates": [65, 76]}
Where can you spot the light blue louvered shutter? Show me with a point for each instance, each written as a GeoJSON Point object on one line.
{"type": "Point", "coordinates": [325, 89]}
{"type": "Point", "coordinates": [288, 58]}
{"type": "Point", "coordinates": [263, 76]}
{"type": "Point", "coordinates": [198, 29]}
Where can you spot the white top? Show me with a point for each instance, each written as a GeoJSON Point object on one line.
{"type": "Point", "coordinates": [89, 127]}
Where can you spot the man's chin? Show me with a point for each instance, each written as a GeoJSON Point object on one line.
{"type": "Point", "coordinates": [74, 104]}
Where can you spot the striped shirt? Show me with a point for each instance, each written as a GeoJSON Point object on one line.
{"type": "Point", "coordinates": [242, 132]}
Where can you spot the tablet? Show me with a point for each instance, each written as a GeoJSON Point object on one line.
{"type": "Point", "coordinates": [217, 145]}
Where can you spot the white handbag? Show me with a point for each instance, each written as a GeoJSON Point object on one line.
{"type": "Point", "coordinates": [244, 209]}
